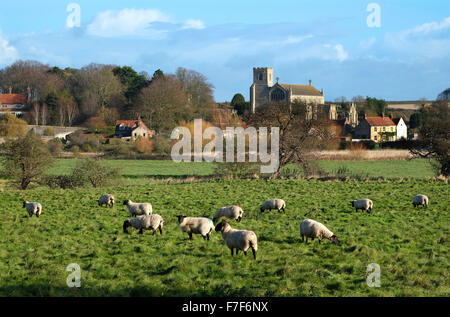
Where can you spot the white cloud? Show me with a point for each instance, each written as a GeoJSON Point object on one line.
{"type": "Point", "coordinates": [193, 24]}
{"type": "Point", "coordinates": [340, 54]}
{"type": "Point", "coordinates": [296, 39]}
{"type": "Point", "coordinates": [8, 53]}
{"type": "Point", "coordinates": [427, 28]}
{"type": "Point", "coordinates": [366, 44]}
{"type": "Point", "coordinates": [127, 22]}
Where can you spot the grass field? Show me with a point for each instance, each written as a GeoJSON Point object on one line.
{"type": "Point", "coordinates": [152, 168]}
{"type": "Point", "coordinates": [410, 245]}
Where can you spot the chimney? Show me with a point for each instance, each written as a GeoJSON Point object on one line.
{"type": "Point", "coordinates": [321, 91]}
{"type": "Point", "coordinates": [310, 81]}
{"type": "Point", "coordinates": [10, 90]}
{"type": "Point", "coordinates": [390, 115]}
{"type": "Point", "coordinates": [382, 114]}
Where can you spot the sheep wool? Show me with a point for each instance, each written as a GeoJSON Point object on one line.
{"type": "Point", "coordinates": [420, 200]}
{"type": "Point", "coordinates": [232, 212]}
{"type": "Point", "coordinates": [33, 208]}
{"type": "Point", "coordinates": [137, 209]}
{"type": "Point", "coordinates": [363, 204]}
{"type": "Point", "coordinates": [196, 225]}
{"type": "Point", "coordinates": [238, 239]}
{"type": "Point", "coordinates": [313, 229]}
{"type": "Point", "coordinates": [107, 200]}
{"type": "Point", "coordinates": [146, 222]}
{"type": "Point", "coordinates": [277, 204]}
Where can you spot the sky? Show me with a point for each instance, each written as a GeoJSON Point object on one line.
{"type": "Point", "coordinates": [390, 49]}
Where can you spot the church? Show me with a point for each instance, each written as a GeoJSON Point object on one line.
{"type": "Point", "coordinates": [263, 91]}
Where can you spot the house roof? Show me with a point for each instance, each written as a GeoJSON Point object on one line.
{"type": "Point", "coordinates": [397, 120]}
{"type": "Point", "coordinates": [133, 124]}
{"type": "Point", "coordinates": [12, 99]}
{"type": "Point", "coordinates": [302, 90]}
{"type": "Point", "coordinates": [380, 121]}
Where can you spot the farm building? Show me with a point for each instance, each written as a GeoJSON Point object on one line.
{"type": "Point", "coordinates": [377, 129]}
{"type": "Point", "coordinates": [132, 128]}
{"type": "Point", "coordinates": [402, 129]}
{"type": "Point", "coordinates": [12, 103]}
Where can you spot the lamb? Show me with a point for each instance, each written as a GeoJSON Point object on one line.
{"type": "Point", "coordinates": [33, 208]}
{"type": "Point", "coordinates": [313, 229]}
{"type": "Point", "coordinates": [148, 222]}
{"type": "Point", "coordinates": [420, 200]}
{"type": "Point", "coordinates": [363, 204]}
{"type": "Point", "coordinates": [277, 204]}
{"type": "Point", "coordinates": [200, 225]}
{"type": "Point", "coordinates": [137, 209]}
{"type": "Point", "coordinates": [107, 200]}
{"type": "Point", "coordinates": [232, 212]}
{"type": "Point", "coordinates": [238, 239]}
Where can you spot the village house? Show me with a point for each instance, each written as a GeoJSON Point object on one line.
{"type": "Point", "coordinates": [12, 103]}
{"type": "Point", "coordinates": [132, 129]}
{"type": "Point", "coordinates": [377, 129]}
{"type": "Point", "coordinates": [402, 129]}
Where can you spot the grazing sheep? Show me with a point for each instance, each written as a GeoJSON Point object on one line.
{"type": "Point", "coordinates": [107, 200]}
{"type": "Point", "coordinates": [33, 208]}
{"type": "Point", "coordinates": [420, 200]}
{"type": "Point", "coordinates": [148, 222]}
{"type": "Point", "coordinates": [200, 225]}
{"type": "Point", "coordinates": [137, 209]}
{"type": "Point", "coordinates": [363, 204]}
{"type": "Point", "coordinates": [238, 239]}
{"type": "Point", "coordinates": [277, 204]}
{"type": "Point", "coordinates": [232, 212]}
{"type": "Point", "coordinates": [313, 229]}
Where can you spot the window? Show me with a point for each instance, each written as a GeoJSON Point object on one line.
{"type": "Point", "coordinates": [384, 129]}
{"type": "Point", "coordinates": [375, 138]}
{"type": "Point", "coordinates": [260, 76]}
{"type": "Point", "coordinates": [277, 95]}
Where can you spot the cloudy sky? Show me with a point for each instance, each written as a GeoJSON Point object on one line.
{"type": "Point", "coordinates": [336, 44]}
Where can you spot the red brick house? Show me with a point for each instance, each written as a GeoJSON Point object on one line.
{"type": "Point", "coordinates": [12, 103]}
{"type": "Point", "coordinates": [132, 128]}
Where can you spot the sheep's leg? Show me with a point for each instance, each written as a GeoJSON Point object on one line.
{"type": "Point", "coordinates": [319, 240]}
{"type": "Point", "coordinates": [154, 231]}
{"type": "Point", "coordinates": [303, 238]}
{"type": "Point", "coordinates": [231, 251]}
{"type": "Point", "coordinates": [245, 253]}
{"type": "Point", "coordinates": [306, 239]}
{"type": "Point", "coordinates": [237, 251]}
{"type": "Point", "coordinates": [207, 236]}
{"type": "Point", "coordinates": [141, 231]}
{"type": "Point", "coordinates": [37, 215]}
{"type": "Point", "coordinates": [160, 229]}
{"type": "Point", "coordinates": [254, 253]}
{"type": "Point", "coordinates": [204, 237]}
{"type": "Point", "coordinates": [190, 235]}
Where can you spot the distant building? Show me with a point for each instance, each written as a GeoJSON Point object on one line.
{"type": "Point", "coordinates": [377, 129]}
{"type": "Point", "coordinates": [263, 91]}
{"type": "Point", "coordinates": [12, 103]}
{"type": "Point", "coordinates": [132, 128]}
{"type": "Point", "coordinates": [402, 129]}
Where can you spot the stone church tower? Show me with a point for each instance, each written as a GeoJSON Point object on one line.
{"type": "Point", "coordinates": [259, 90]}
{"type": "Point", "coordinates": [353, 116]}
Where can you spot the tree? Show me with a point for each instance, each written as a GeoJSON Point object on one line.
{"type": "Point", "coordinates": [298, 135]}
{"type": "Point", "coordinates": [27, 159]}
{"type": "Point", "coordinates": [10, 125]}
{"type": "Point", "coordinates": [445, 95]}
{"type": "Point", "coordinates": [238, 103]}
{"type": "Point", "coordinates": [434, 137]}
{"type": "Point", "coordinates": [377, 105]}
{"type": "Point", "coordinates": [132, 81]}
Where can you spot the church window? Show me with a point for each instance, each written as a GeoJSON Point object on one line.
{"type": "Point", "coordinates": [277, 95]}
{"type": "Point", "coordinates": [260, 76]}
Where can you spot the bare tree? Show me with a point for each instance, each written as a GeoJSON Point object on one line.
{"type": "Point", "coordinates": [71, 111]}
{"type": "Point", "coordinates": [44, 114]}
{"type": "Point", "coordinates": [35, 112]}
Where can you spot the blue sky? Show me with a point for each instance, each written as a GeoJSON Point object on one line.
{"type": "Point", "coordinates": [327, 41]}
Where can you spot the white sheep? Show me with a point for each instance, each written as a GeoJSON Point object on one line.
{"type": "Point", "coordinates": [198, 225]}
{"type": "Point", "coordinates": [147, 222]}
{"type": "Point", "coordinates": [107, 200]}
{"type": "Point", "coordinates": [238, 239]}
{"type": "Point", "coordinates": [363, 204]}
{"type": "Point", "coordinates": [137, 209]}
{"type": "Point", "coordinates": [33, 208]}
{"type": "Point", "coordinates": [277, 204]}
{"type": "Point", "coordinates": [232, 212]}
{"type": "Point", "coordinates": [313, 229]}
{"type": "Point", "coordinates": [420, 200]}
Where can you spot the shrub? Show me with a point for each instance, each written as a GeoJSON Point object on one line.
{"type": "Point", "coordinates": [49, 131]}
{"type": "Point", "coordinates": [55, 146]}
{"type": "Point", "coordinates": [10, 125]}
{"type": "Point", "coordinates": [144, 145]}
{"type": "Point", "coordinates": [162, 145]}
{"type": "Point", "coordinates": [96, 173]}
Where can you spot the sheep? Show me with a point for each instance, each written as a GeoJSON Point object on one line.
{"type": "Point", "coordinates": [313, 229]}
{"type": "Point", "coordinates": [420, 200]}
{"type": "Point", "coordinates": [33, 208]}
{"type": "Point", "coordinates": [148, 222]}
{"type": "Point", "coordinates": [363, 204]}
{"type": "Point", "coordinates": [232, 212]}
{"type": "Point", "coordinates": [238, 239]}
{"type": "Point", "coordinates": [278, 204]}
{"type": "Point", "coordinates": [137, 209]}
{"type": "Point", "coordinates": [107, 200]}
{"type": "Point", "coordinates": [200, 225]}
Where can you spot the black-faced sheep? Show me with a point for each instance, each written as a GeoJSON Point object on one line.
{"type": "Point", "coordinates": [107, 200]}
{"type": "Point", "coordinates": [238, 239]}
{"type": "Point", "coordinates": [196, 225]}
{"type": "Point", "coordinates": [420, 200]}
{"type": "Point", "coordinates": [313, 229]}
{"type": "Point", "coordinates": [150, 222]}
{"type": "Point", "coordinates": [363, 204]}
{"type": "Point", "coordinates": [232, 212]}
{"type": "Point", "coordinates": [277, 204]}
{"type": "Point", "coordinates": [137, 209]}
{"type": "Point", "coordinates": [33, 208]}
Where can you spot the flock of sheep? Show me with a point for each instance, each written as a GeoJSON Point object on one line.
{"type": "Point", "coordinates": [241, 240]}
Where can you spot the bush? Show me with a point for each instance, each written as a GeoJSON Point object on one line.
{"type": "Point", "coordinates": [162, 145]}
{"type": "Point", "coordinates": [55, 146]}
{"type": "Point", "coordinates": [49, 131]}
{"type": "Point", "coordinates": [10, 125]}
{"type": "Point", "coordinates": [144, 145]}
{"type": "Point", "coordinates": [96, 173]}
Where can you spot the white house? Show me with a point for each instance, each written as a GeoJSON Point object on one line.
{"type": "Point", "coordinates": [402, 129]}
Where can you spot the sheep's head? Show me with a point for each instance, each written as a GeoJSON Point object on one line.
{"type": "Point", "coordinates": [261, 209]}
{"type": "Point", "coordinates": [239, 219]}
{"type": "Point", "coordinates": [181, 218]}
{"type": "Point", "coordinates": [24, 204]}
{"type": "Point", "coordinates": [334, 239]}
{"type": "Point", "coordinates": [221, 226]}
{"type": "Point", "coordinates": [353, 203]}
{"type": "Point", "coordinates": [126, 202]}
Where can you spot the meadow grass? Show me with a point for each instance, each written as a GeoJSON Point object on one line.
{"type": "Point", "coordinates": [164, 168]}
{"type": "Point", "coordinates": [410, 245]}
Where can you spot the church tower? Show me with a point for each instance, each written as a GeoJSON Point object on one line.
{"type": "Point", "coordinates": [259, 90]}
{"type": "Point", "coordinates": [353, 116]}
